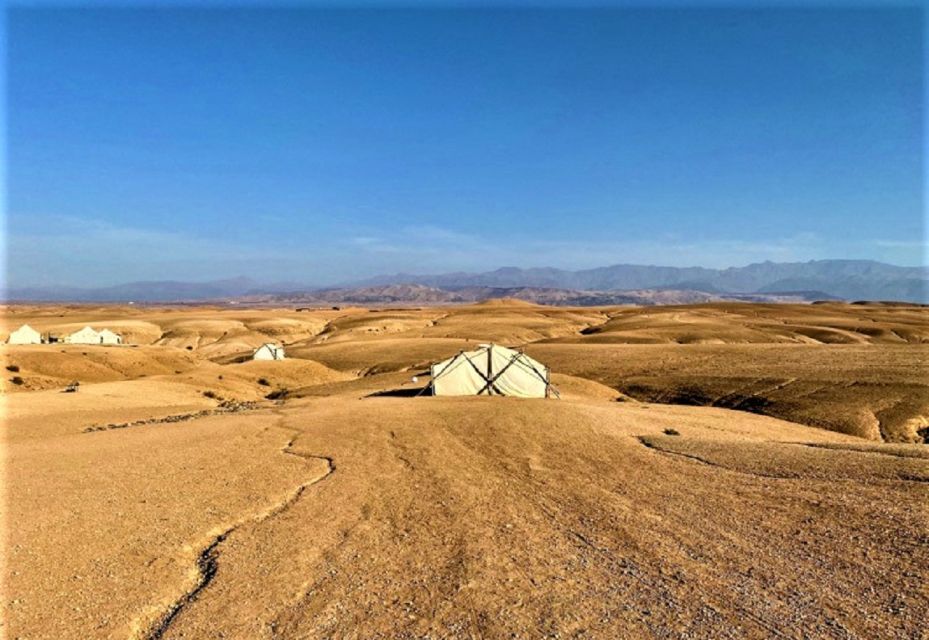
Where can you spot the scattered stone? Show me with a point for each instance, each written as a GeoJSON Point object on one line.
{"type": "Point", "coordinates": [226, 406]}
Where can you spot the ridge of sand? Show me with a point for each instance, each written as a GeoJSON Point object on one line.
{"type": "Point", "coordinates": [600, 515]}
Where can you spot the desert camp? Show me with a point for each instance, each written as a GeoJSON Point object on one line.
{"type": "Point", "coordinates": [671, 472]}
{"type": "Point", "coordinates": [89, 336]}
{"type": "Point", "coordinates": [464, 320]}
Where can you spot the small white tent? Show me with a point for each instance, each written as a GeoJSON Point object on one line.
{"type": "Point", "coordinates": [25, 335]}
{"type": "Point", "coordinates": [491, 370]}
{"type": "Point", "coordinates": [108, 337]}
{"type": "Point", "coordinates": [84, 336]}
{"type": "Point", "coordinates": [269, 351]}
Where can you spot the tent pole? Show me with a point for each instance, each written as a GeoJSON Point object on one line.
{"type": "Point", "coordinates": [490, 368]}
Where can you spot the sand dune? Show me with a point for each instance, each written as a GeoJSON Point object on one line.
{"type": "Point", "coordinates": [169, 498]}
{"type": "Point", "coordinates": [875, 392]}
{"type": "Point", "coordinates": [55, 366]}
{"type": "Point", "coordinates": [727, 323]}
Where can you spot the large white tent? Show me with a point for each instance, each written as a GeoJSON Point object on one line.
{"type": "Point", "coordinates": [109, 337]}
{"type": "Point", "coordinates": [85, 336]}
{"type": "Point", "coordinates": [25, 335]}
{"type": "Point", "coordinates": [269, 351]}
{"type": "Point", "coordinates": [491, 370]}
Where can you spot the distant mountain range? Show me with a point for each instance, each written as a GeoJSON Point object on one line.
{"type": "Point", "coordinates": [846, 279]}
{"type": "Point", "coordinates": [423, 295]}
{"type": "Point", "coordinates": [617, 284]}
{"type": "Point", "coordinates": [151, 291]}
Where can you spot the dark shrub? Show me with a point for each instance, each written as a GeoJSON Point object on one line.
{"type": "Point", "coordinates": [278, 394]}
{"type": "Point", "coordinates": [211, 395]}
{"type": "Point", "coordinates": [924, 434]}
{"type": "Point", "coordinates": [264, 382]}
{"type": "Point", "coordinates": [672, 432]}
{"type": "Point", "coordinates": [17, 380]}
{"type": "Point", "coordinates": [12, 367]}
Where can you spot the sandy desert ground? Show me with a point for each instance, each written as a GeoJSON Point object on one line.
{"type": "Point", "coordinates": [710, 471]}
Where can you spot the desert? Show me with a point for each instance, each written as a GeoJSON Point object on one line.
{"type": "Point", "coordinates": [460, 320]}
{"type": "Point", "coordinates": [719, 470]}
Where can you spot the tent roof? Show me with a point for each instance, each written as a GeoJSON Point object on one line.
{"type": "Point", "coordinates": [87, 328]}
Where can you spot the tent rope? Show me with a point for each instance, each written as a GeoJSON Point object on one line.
{"type": "Point", "coordinates": [490, 382]}
{"type": "Point", "coordinates": [548, 383]}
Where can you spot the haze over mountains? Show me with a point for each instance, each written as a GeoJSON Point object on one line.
{"type": "Point", "coordinates": [621, 283]}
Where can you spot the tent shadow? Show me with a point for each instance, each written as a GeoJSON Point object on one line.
{"type": "Point", "coordinates": [410, 392]}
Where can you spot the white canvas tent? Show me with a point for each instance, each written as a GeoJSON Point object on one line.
{"type": "Point", "coordinates": [25, 335]}
{"type": "Point", "coordinates": [109, 337]}
{"type": "Point", "coordinates": [85, 336]}
{"type": "Point", "coordinates": [491, 370]}
{"type": "Point", "coordinates": [269, 351]}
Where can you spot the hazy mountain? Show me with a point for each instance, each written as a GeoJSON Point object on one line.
{"type": "Point", "coordinates": [820, 279]}
{"type": "Point", "coordinates": [151, 291]}
{"type": "Point", "coordinates": [848, 279]}
{"type": "Point", "coordinates": [424, 295]}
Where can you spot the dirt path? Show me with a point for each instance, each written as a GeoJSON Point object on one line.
{"type": "Point", "coordinates": [446, 521]}
{"type": "Point", "coordinates": [207, 561]}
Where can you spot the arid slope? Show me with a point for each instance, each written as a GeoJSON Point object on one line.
{"type": "Point", "coordinates": [167, 498]}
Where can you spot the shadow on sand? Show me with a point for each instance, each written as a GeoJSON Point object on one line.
{"type": "Point", "coordinates": [410, 392]}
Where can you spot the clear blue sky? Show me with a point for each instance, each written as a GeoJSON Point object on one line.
{"type": "Point", "coordinates": [319, 146]}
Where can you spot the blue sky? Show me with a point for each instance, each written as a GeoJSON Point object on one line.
{"type": "Point", "coordinates": [318, 145]}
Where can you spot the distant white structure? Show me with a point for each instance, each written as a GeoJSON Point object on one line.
{"type": "Point", "coordinates": [84, 336]}
{"type": "Point", "coordinates": [25, 335]}
{"type": "Point", "coordinates": [269, 351]}
{"type": "Point", "coordinates": [88, 335]}
{"type": "Point", "coordinates": [109, 337]}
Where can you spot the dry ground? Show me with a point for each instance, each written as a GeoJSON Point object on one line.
{"type": "Point", "coordinates": [138, 507]}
